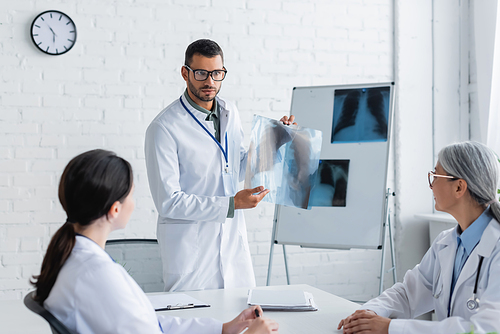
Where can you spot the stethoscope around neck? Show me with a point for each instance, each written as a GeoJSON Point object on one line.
{"type": "Point", "coordinates": [473, 302]}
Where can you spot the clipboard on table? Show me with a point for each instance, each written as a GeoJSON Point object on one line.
{"type": "Point", "coordinates": [174, 301]}
{"type": "Point", "coordinates": [282, 300]}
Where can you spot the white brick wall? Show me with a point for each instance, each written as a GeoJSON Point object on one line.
{"type": "Point", "coordinates": [125, 67]}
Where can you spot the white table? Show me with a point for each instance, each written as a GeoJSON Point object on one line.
{"type": "Point", "coordinates": [225, 305]}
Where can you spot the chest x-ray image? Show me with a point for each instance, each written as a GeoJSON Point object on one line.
{"type": "Point", "coordinates": [360, 115]}
{"type": "Point", "coordinates": [283, 159]}
{"type": "Point", "coordinates": [330, 188]}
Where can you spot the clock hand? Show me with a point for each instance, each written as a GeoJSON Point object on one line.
{"type": "Point", "coordinates": [53, 35]}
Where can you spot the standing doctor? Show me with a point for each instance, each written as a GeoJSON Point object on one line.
{"type": "Point", "coordinates": [459, 276]}
{"type": "Point", "coordinates": [195, 160]}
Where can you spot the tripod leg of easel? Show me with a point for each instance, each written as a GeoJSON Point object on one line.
{"type": "Point", "coordinates": [387, 225]}
{"type": "Point", "coordinates": [271, 253]}
{"type": "Point", "coordinates": [384, 230]}
{"type": "Point", "coordinates": [270, 266]}
{"type": "Point", "coordinates": [286, 266]}
{"type": "Point", "coordinates": [382, 262]}
{"type": "Point", "coordinates": [393, 256]}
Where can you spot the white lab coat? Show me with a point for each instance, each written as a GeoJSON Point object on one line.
{"type": "Point", "coordinates": [200, 247]}
{"type": "Point", "coordinates": [427, 287]}
{"type": "Point", "coordinates": [93, 294]}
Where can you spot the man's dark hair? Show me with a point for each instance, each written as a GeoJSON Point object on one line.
{"type": "Point", "coordinates": [204, 47]}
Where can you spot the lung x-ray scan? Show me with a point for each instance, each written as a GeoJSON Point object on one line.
{"type": "Point", "coordinates": [360, 115]}
{"type": "Point", "coordinates": [283, 159]}
{"type": "Point", "coordinates": [330, 188]}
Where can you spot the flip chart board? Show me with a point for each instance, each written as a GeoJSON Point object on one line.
{"type": "Point", "coordinates": [349, 196]}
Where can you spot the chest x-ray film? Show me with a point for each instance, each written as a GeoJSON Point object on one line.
{"type": "Point", "coordinates": [283, 159]}
{"type": "Point", "coordinates": [330, 188]}
{"type": "Point", "coordinates": [360, 115]}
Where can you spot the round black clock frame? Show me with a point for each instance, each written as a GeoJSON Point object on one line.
{"type": "Point", "coordinates": [46, 51]}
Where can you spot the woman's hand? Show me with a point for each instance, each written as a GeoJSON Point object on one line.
{"type": "Point", "coordinates": [288, 120]}
{"type": "Point", "coordinates": [365, 321]}
{"type": "Point", "coordinates": [247, 318]}
{"type": "Point", "coordinates": [263, 326]}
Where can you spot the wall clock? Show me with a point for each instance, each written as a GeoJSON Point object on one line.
{"type": "Point", "coordinates": [53, 32]}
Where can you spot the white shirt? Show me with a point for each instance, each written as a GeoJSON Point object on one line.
{"type": "Point", "coordinates": [427, 287]}
{"type": "Point", "coordinates": [93, 294]}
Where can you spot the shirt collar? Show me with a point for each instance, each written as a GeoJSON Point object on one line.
{"type": "Point", "coordinates": [471, 236]}
{"type": "Point", "coordinates": [197, 107]}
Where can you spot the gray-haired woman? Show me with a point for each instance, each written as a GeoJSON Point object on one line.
{"type": "Point", "coordinates": [459, 276]}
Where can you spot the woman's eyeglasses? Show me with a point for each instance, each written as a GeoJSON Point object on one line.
{"type": "Point", "coordinates": [432, 175]}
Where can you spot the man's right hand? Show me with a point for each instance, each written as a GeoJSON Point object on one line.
{"type": "Point", "coordinates": [245, 199]}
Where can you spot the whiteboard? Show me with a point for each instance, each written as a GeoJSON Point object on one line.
{"type": "Point", "coordinates": [359, 223]}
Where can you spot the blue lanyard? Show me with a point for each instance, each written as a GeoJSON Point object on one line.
{"type": "Point", "coordinates": [211, 136]}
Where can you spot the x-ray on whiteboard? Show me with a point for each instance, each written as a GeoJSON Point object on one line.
{"type": "Point", "coordinates": [349, 194]}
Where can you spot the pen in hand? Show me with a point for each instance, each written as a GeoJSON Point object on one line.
{"type": "Point", "coordinates": [257, 313]}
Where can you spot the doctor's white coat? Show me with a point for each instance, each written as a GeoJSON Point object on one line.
{"type": "Point", "coordinates": [93, 294]}
{"type": "Point", "coordinates": [427, 287]}
{"type": "Point", "coordinates": [200, 247]}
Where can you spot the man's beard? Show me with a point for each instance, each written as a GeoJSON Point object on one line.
{"type": "Point", "coordinates": [198, 94]}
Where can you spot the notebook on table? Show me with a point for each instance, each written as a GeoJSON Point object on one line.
{"type": "Point", "coordinates": [282, 300]}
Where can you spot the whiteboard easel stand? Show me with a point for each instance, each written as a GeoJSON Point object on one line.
{"type": "Point", "coordinates": [387, 226]}
{"type": "Point", "coordinates": [274, 241]}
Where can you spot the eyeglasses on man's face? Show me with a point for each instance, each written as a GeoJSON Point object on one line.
{"type": "Point", "coordinates": [202, 75]}
{"type": "Point", "coordinates": [432, 175]}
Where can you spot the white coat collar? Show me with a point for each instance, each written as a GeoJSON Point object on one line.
{"type": "Point", "coordinates": [201, 116]}
{"type": "Point", "coordinates": [85, 244]}
{"type": "Point", "coordinates": [485, 247]}
{"type": "Point", "coordinates": [489, 239]}
{"type": "Point", "coordinates": [223, 117]}
{"type": "Point", "coordinates": [222, 105]}
{"type": "Point", "coordinates": [198, 114]}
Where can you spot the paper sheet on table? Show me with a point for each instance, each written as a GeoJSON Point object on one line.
{"type": "Point", "coordinates": [283, 159]}
{"type": "Point", "coordinates": [174, 301]}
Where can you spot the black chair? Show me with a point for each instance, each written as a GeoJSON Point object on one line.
{"type": "Point", "coordinates": [141, 258]}
{"type": "Point", "coordinates": [56, 326]}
